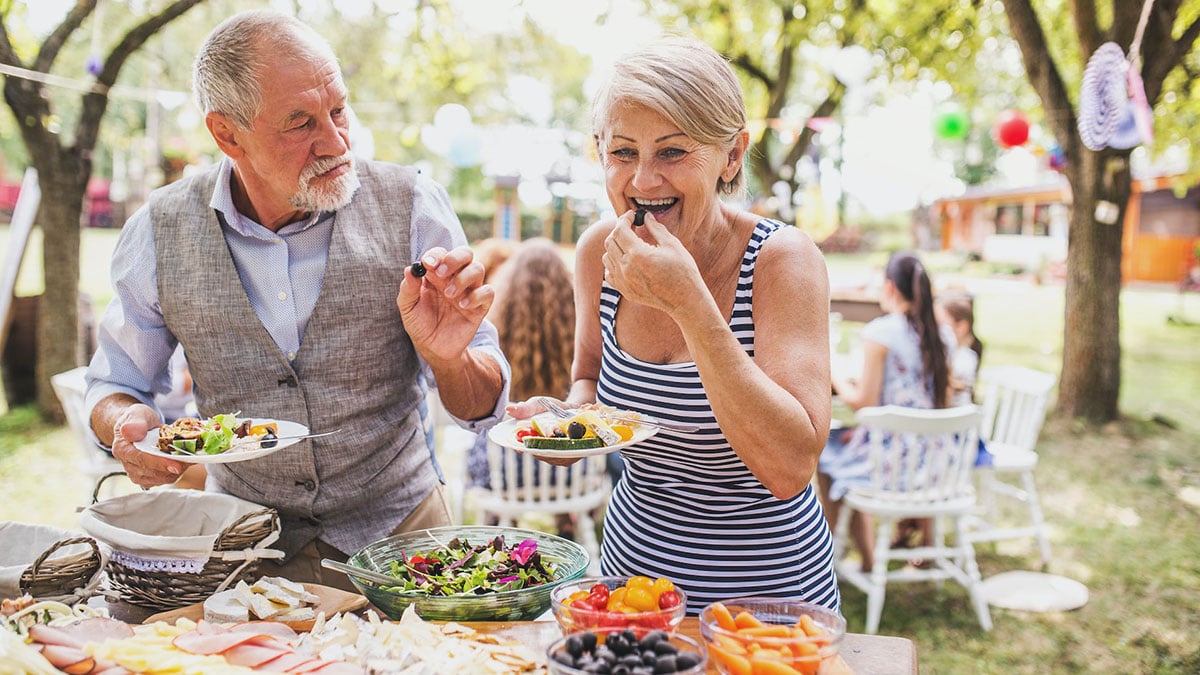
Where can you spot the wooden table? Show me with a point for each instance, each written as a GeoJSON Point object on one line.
{"type": "Point", "coordinates": [855, 306]}
{"type": "Point", "coordinates": [864, 654]}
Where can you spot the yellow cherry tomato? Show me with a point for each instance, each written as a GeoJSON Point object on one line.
{"type": "Point", "coordinates": [641, 599]}
{"type": "Point", "coordinates": [639, 582]}
{"type": "Point", "coordinates": [617, 597]}
{"type": "Point", "coordinates": [662, 585]}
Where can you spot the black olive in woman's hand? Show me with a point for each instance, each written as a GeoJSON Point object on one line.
{"type": "Point", "coordinates": [418, 269]}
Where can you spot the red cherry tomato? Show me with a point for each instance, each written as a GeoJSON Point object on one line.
{"type": "Point", "coordinates": [597, 600]}
{"type": "Point", "coordinates": [600, 590]}
{"type": "Point", "coordinates": [611, 619]}
{"type": "Point", "coordinates": [522, 433]}
{"type": "Point", "coordinates": [668, 599]}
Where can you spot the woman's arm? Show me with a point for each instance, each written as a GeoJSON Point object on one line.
{"type": "Point", "coordinates": [589, 277]}
{"type": "Point", "coordinates": [774, 408]}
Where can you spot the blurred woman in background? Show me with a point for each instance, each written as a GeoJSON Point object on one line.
{"type": "Point", "coordinates": [904, 363]}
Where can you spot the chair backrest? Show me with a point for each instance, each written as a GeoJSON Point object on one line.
{"type": "Point", "coordinates": [518, 478]}
{"type": "Point", "coordinates": [70, 386]}
{"type": "Point", "coordinates": [1014, 404]}
{"type": "Point", "coordinates": [921, 456]}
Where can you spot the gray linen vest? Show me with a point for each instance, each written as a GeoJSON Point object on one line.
{"type": "Point", "coordinates": [356, 369]}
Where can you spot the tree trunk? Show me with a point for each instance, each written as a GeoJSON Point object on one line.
{"type": "Point", "coordinates": [1090, 383]}
{"type": "Point", "coordinates": [59, 341]}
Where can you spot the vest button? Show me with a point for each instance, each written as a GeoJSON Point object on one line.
{"type": "Point", "coordinates": [310, 485]}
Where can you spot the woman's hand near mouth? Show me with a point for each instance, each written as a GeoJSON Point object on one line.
{"type": "Point", "coordinates": [649, 265]}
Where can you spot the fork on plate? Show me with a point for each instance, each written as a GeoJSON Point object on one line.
{"type": "Point", "coordinates": [562, 413]}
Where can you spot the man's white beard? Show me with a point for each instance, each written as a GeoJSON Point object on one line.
{"type": "Point", "coordinates": [327, 195]}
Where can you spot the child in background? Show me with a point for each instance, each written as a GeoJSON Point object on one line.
{"type": "Point", "coordinates": [956, 314]}
{"type": "Point", "coordinates": [534, 314]}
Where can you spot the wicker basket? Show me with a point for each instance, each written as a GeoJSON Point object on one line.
{"type": "Point", "coordinates": [165, 548]}
{"type": "Point", "coordinates": [66, 566]}
{"type": "Point", "coordinates": [67, 578]}
{"type": "Point", "coordinates": [167, 590]}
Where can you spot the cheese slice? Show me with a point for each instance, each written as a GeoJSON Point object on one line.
{"type": "Point", "coordinates": [226, 607]}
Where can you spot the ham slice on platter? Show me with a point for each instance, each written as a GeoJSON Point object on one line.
{"type": "Point", "coordinates": [63, 645]}
{"type": "Point", "coordinates": [261, 645]}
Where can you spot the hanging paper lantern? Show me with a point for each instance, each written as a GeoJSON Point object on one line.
{"type": "Point", "coordinates": [951, 124]}
{"type": "Point", "coordinates": [1011, 129]}
{"type": "Point", "coordinates": [1102, 96]}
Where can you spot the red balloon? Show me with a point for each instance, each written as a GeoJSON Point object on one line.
{"type": "Point", "coordinates": [1011, 129]}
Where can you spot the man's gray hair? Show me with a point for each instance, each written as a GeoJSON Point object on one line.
{"type": "Point", "coordinates": [225, 76]}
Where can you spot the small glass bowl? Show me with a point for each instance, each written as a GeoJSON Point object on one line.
{"type": "Point", "coordinates": [682, 643]}
{"type": "Point", "coordinates": [732, 651]}
{"type": "Point", "coordinates": [571, 618]}
{"type": "Point", "coordinates": [524, 604]}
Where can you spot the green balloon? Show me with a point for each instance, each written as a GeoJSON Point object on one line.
{"type": "Point", "coordinates": [951, 124]}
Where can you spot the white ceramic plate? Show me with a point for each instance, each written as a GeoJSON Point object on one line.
{"type": "Point", "coordinates": [505, 434]}
{"type": "Point", "coordinates": [149, 445]}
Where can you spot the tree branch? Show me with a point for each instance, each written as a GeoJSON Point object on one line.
{"type": "Point", "coordinates": [825, 109]}
{"type": "Point", "coordinates": [54, 43]}
{"type": "Point", "coordinates": [752, 69]}
{"type": "Point", "coordinates": [1083, 12]}
{"type": "Point", "coordinates": [94, 104]}
{"type": "Point", "coordinates": [1043, 73]}
{"type": "Point", "coordinates": [7, 54]}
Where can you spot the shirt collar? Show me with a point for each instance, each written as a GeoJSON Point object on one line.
{"type": "Point", "coordinates": [222, 203]}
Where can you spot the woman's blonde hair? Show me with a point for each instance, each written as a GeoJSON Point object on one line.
{"type": "Point", "coordinates": [685, 81]}
{"type": "Point", "coordinates": [535, 316]}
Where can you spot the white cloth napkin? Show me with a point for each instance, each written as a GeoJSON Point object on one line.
{"type": "Point", "coordinates": [167, 529]}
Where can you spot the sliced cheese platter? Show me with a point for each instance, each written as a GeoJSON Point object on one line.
{"type": "Point", "coordinates": [269, 598]}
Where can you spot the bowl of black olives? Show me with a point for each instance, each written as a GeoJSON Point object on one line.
{"type": "Point", "coordinates": [620, 651]}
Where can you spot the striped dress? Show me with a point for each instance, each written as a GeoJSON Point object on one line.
{"type": "Point", "coordinates": [687, 508]}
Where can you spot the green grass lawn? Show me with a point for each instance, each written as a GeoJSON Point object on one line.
{"type": "Point", "coordinates": [1122, 502]}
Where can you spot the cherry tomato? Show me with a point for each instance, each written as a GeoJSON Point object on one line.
{"type": "Point", "coordinates": [617, 597]}
{"type": "Point", "coordinates": [640, 582]}
{"type": "Point", "coordinates": [600, 590]}
{"type": "Point", "coordinates": [597, 600]}
{"type": "Point", "coordinates": [662, 585]}
{"type": "Point", "coordinates": [611, 619]}
{"type": "Point", "coordinates": [523, 433]}
{"type": "Point", "coordinates": [641, 599]}
{"type": "Point", "coordinates": [668, 600]}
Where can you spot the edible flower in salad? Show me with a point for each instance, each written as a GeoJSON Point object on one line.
{"type": "Point", "coordinates": [459, 568]}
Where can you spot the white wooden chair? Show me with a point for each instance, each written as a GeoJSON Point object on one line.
{"type": "Point", "coordinates": [1014, 401]}
{"type": "Point", "coordinates": [451, 445]}
{"type": "Point", "coordinates": [522, 484]}
{"type": "Point", "coordinates": [922, 463]}
{"type": "Point", "coordinates": [70, 387]}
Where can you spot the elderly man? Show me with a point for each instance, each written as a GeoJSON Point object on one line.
{"type": "Point", "coordinates": [284, 273]}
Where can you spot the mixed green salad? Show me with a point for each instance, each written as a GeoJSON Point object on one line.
{"type": "Point", "coordinates": [459, 568]}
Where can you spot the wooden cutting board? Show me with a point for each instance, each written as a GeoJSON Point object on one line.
{"type": "Point", "coordinates": [331, 601]}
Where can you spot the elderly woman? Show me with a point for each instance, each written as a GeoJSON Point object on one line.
{"type": "Point", "coordinates": [698, 312]}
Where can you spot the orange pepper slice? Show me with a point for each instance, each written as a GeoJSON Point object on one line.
{"type": "Point", "coordinates": [736, 663]}
{"type": "Point", "coordinates": [723, 616]}
{"type": "Point", "coordinates": [745, 619]}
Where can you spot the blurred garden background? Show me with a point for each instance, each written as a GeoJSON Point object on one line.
{"type": "Point", "coordinates": [950, 128]}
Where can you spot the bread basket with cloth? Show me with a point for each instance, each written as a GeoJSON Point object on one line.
{"type": "Point", "coordinates": [172, 547]}
{"type": "Point", "coordinates": [48, 563]}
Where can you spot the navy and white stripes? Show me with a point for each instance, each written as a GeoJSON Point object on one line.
{"type": "Point", "coordinates": [688, 508]}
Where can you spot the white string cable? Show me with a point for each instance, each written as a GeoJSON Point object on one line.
{"type": "Point", "coordinates": [1135, 48]}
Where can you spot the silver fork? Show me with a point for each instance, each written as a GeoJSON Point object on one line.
{"type": "Point", "coordinates": [562, 413]}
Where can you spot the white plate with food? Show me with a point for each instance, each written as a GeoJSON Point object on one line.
{"type": "Point", "coordinates": [569, 445]}
{"type": "Point", "coordinates": [221, 440]}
